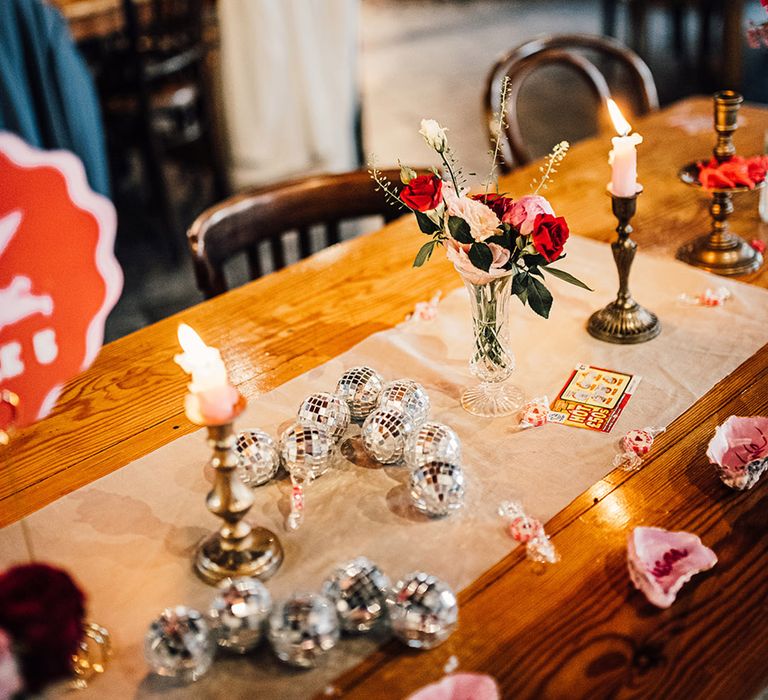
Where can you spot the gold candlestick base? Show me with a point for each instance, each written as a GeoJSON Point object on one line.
{"type": "Point", "coordinates": [721, 251]}
{"type": "Point", "coordinates": [259, 557]}
{"type": "Point", "coordinates": [237, 548]}
{"type": "Point", "coordinates": [624, 321]}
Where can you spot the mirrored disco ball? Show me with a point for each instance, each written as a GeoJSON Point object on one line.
{"type": "Point", "coordinates": [327, 411]}
{"type": "Point", "coordinates": [360, 388]}
{"type": "Point", "coordinates": [432, 441]}
{"type": "Point", "coordinates": [307, 451]}
{"type": "Point", "coordinates": [358, 589]}
{"type": "Point", "coordinates": [384, 433]}
{"type": "Point", "coordinates": [179, 644]}
{"type": "Point", "coordinates": [303, 628]}
{"type": "Point", "coordinates": [407, 396]}
{"type": "Point", "coordinates": [437, 488]}
{"type": "Point", "coordinates": [239, 612]}
{"type": "Point", "coordinates": [423, 610]}
{"type": "Point", "coordinates": [257, 457]}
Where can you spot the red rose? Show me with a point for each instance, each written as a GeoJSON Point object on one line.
{"type": "Point", "coordinates": [497, 203]}
{"type": "Point", "coordinates": [423, 193]}
{"type": "Point", "coordinates": [757, 166]}
{"type": "Point", "coordinates": [42, 610]}
{"type": "Point", "coordinates": [549, 236]}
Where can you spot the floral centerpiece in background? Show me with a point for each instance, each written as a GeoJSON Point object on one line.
{"type": "Point", "coordinates": [501, 246]}
{"type": "Point", "coordinates": [41, 625]}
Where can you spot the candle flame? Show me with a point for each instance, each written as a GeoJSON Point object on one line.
{"type": "Point", "coordinates": [190, 341]}
{"type": "Point", "coordinates": [622, 126]}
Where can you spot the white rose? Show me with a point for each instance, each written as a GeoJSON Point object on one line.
{"type": "Point", "coordinates": [434, 134]}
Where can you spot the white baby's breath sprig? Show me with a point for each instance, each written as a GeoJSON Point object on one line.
{"type": "Point", "coordinates": [384, 184]}
{"type": "Point", "coordinates": [550, 167]}
{"type": "Point", "coordinates": [501, 122]}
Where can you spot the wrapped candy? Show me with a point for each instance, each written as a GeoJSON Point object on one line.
{"type": "Point", "coordinates": [358, 589]}
{"type": "Point", "coordinates": [384, 433]}
{"type": "Point", "coordinates": [709, 297]}
{"type": "Point", "coordinates": [534, 413]}
{"type": "Point", "coordinates": [660, 562]}
{"type": "Point", "coordinates": [406, 396]}
{"type": "Point", "coordinates": [296, 513]}
{"type": "Point", "coordinates": [360, 388]}
{"type": "Point", "coordinates": [528, 531]}
{"type": "Point", "coordinates": [739, 451]}
{"type": "Point", "coordinates": [327, 411]}
{"type": "Point", "coordinates": [634, 446]}
{"type": "Point", "coordinates": [423, 610]}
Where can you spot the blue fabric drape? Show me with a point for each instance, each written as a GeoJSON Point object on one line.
{"type": "Point", "coordinates": [47, 95]}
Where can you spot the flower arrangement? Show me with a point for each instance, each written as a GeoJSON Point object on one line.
{"type": "Point", "coordinates": [757, 34]}
{"type": "Point", "coordinates": [734, 172]}
{"type": "Point", "coordinates": [41, 625]}
{"type": "Point", "coordinates": [490, 235]}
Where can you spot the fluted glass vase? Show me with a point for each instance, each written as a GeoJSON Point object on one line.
{"type": "Point", "coordinates": [492, 360]}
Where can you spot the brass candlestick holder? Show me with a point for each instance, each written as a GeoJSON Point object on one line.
{"type": "Point", "coordinates": [237, 548]}
{"type": "Point", "coordinates": [721, 251]}
{"type": "Point", "coordinates": [624, 321]}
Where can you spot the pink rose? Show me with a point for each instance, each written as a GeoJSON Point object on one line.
{"type": "Point", "coordinates": [458, 254]}
{"type": "Point", "coordinates": [483, 223]}
{"type": "Point", "coordinates": [524, 211]}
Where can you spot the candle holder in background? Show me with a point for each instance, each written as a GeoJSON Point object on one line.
{"type": "Point", "coordinates": [237, 548]}
{"type": "Point", "coordinates": [624, 321]}
{"type": "Point", "coordinates": [721, 251]}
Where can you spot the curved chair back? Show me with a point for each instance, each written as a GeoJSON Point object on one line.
{"type": "Point", "coordinates": [239, 225]}
{"type": "Point", "coordinates": [566, 49]}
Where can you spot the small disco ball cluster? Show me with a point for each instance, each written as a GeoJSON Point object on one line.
{"type": "Point", "coordinates": [421, 610]}
{"type": "Point", "coordinates": [395, 428]}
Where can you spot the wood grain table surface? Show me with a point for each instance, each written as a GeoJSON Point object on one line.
{"type": "Point", "coordinates": [577, 629]}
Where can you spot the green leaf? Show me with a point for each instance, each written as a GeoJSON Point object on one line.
{"type": "Point", "coordinates": [425, 223]}
{"type": "Point", "coordinates": [539, 298]}
{"type": "Point", "coordinates": [480, 256]}
{"type": "Point", "coordinates": [425, 252]}
{"type": "Point", "coordinates": [566, 277]}
{"type": "Point", "coordinates": [519, 283]}
{"type": "Point", "coordinates": [536, 271]}
{"type": "Point", "coordinates": [459, 229]}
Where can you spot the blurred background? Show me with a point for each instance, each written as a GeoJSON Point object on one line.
{"type": "Point", "coordinates": [197, 100]}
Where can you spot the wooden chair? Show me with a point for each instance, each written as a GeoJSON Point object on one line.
{"type": "Point", "coordinates": [156, 97]}
{"type": "Point", "coordinates": [241, 223]}
{"type": "Point", "coordinates": [567, 49]}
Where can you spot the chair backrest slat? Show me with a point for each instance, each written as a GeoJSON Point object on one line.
{"type": "Point", "coordinates": [238, 224]}
{"type": "Point", "coordinates": [566, 49]}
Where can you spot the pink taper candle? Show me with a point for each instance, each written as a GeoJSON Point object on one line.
{"type": "Point", "coordinates": [623, 157]}
{"type": "Point", "coordinates": [212, 400]}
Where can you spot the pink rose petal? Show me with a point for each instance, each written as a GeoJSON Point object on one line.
{"type": "Point", "coordinates": [739, 450]}
{"type": "Point", "coordinates": [460, 686]}
{"type": "Point", "coordinates": [660, 562]}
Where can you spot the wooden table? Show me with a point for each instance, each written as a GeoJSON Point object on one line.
{"type": "Point", "coordinates": [89, 19]}
{"type": "Point", "coordinates": [576, 630]}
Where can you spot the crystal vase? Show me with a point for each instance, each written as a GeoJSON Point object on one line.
{"type": "Point", "coordinates": [492, 361]}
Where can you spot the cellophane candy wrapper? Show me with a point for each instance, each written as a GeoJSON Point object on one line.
{"type": "Point", "coordinates": [709, 297]}
{"type": "Point", "coordinates": [534, 413]}
{"type": "Point", "coordinates": [739, 450]}
{"type": "Point", "coordinates": [528, 531]}
{"type": "Point", "coordinates": [635, 445]}
{"type": "Point", "coordinates": [660, 562]}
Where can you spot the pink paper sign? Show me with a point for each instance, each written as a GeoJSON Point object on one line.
{"type": "Point", "coordinates": [58, 275]}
